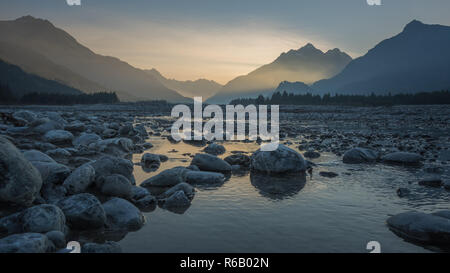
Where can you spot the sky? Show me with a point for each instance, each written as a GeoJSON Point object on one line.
{"type": "Point", "coordinates": [219, 40]}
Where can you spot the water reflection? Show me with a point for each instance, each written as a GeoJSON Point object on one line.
{"type": "Point", "coordinates": [278, 187]}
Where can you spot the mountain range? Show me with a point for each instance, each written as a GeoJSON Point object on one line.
{"type": "Point", "coordinates": [307, 64]}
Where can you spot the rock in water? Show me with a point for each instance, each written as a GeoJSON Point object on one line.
{"type": "Point", "coordinates": [403, 158]}
{"type": "Point", "coordinates": [188, 190]}
{"type": "Point", "coordinates": [311, 154]}
{"type": "Point", "coordinates": [204, 178]}
{"type": "Point", "coordinates": [360, 155]}
{"type": "Point", "coordinates": [282, 160]}
{"type": "Point", "coordinates": [108, 247]}
{"type": "Point", "coordinates": [167, 178]}
{"type": "Point", "coordinates": [83, 211]}
{"type": "Point", "coordinates": [109, 165]}
{"type": "Point", "coordinates": [207, 162]}
{"type": "Point", "coordinates": [123, 215]}
{"type": "Point", "coordinates": [115, 185]}
{"type": "Point", "coordinates": [421, 227]}
{"type": "Point", "coordinates": [238, 159]}
{"type": "Point", "coordinates": [177, 200]}
{"type": "Point", "coordinates": [20, 182]}
{"type": "Point", "coordinates": [25, 243]}
{"type": "Point", "coordinates": [214, 149]}
{"type": "Point", "coordinates": [80, 179]}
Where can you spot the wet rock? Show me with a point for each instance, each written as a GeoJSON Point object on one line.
{"type": "Point", "coordinates": [25, 243]}
{"type": "Point", "coordinates": [328, 174]}
{"type": "Point", "coordinates": [282, 160]}
{"type": "Point", "coordinates": [58, 137]}
{"type": "Point", "coordinates": [207, 162]}
{"type": "Point", "coordinates": [193, 168]}
{"type": "Point", "coordinates": [163, 158]}
{"type": "Point", "coordinates": [114, 146]}
{"type": "Point", "coordinates": [278, 187]}
{"type": "Point", "coordinates": [421, 227]}
{"type": "Point", "coordinates": [80, 179]}
{"type": "Point", "coordinates": [311, 154]}
{"type": "Point", "coordinates": [115, 185]}
{"type": "Point", "coordinates": [86, 139]}
{"type": "Point", "coordinates": [83, 211]}
{"type": "Point", "coordinates": [360, 155]}
{"type": "Point", "coordinates": [20, 182]}
{"type": "Point", "coordinates": [204, 178]}
{"type": "Point", "coordinates": [142, 199]}
{"type": "Point", "coordinates": [59, 153]}
{"type": "Point", "coordinates": [188, 190]}
{"type": "Point", "coordinates": [108, 247]}
{"type": "Point", "coordinates": [238, 159]}
{"type": "Point", "coordinates": [34, 155]}
{"type": "Point", "coordinates": [57, 238]}
{"type": "Point", "coordinates": [151, 161]}
{"type": "Point", "coordinates": [214, 149]}
{"type": "Point", "coordinates": [52, 172]}
{"type": "Point", "coordinates": [121, 214]}
{"type": "Point", "coordinates": [177, 200]}
{"type": "Point", "coordinates": [52, 193]}
{"type": "Point", "coordinates": [108, 165]}
{"type": "Point", "coordinates": [434, 182]}
{"type": "Point", "coordinates": [167, 178]}
{"type": "Point", "coordinates": [403, 158]}
{"type": "Point", "coordinates": [140, 129]}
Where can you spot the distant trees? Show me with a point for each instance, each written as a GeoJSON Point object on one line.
{"type": "Point", "coordinates": [438, 97]}
{"type": "Point", "coordinates": [6, 95]}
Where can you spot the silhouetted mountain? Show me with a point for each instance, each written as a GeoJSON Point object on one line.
{"type": "Point", "coordinates": [202, 87]}
{"type": "Point", "coordinates": [296, 88]}
{"type": "Point", "coordinates": [58, 47]}
{"type": "Point", "coordinates": [21, 83]}
{"type": "Point", "coordinates": [417, 59]}
{"type": "Point", "coordinates": [307, 64]}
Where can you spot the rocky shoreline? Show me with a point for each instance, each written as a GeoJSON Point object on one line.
{"type": "Point", "coordinates": [66, 172]}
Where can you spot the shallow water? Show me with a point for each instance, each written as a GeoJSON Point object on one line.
{"type": "Point", "coordinates": [248, 214]}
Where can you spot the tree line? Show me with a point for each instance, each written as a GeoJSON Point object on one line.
{"type": "Point", "coordinates": [8, 97]}
{"type": "Point", "coordinates": [278, 98]}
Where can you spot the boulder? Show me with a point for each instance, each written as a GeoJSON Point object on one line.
{"type": "Point", "coordinates": [113, 146]}
{"type": "Point", "coordinates": [83, 211]}
{"type": "Point", "coordinates": [360, 155]}
{"type": "Point", "coordinates": [20, 181]}
{"type": "Point", "coordinates": [204, 178]}
{"type": "Point", "coordinates": [44, 126]}
{"type": "Point", "coordinates": [282, 160]}
{"type": "Point", "coordinates": [421, 227]}
{"type": "Point", "coordinates": [58, 137]}
{"type": "Point", "coordinates": [123, 215]}
{"type": "Point", "coordinates": [188, 190]}
{"type": "Point", "coordinates": [238, 159]}
{"type": "Point", "coordinates": [58, 238]}
{"type": "Point", "coordinates": [28, 116]}
{"type": "Point", "coordinates": [151, 161]}
{"type": "Point", "coordinates": [177, 200]}
{"type": "Point", "coordinates": [52, 193]}
{"type": "Point", "coordinates": [311, 154]}
{"type": "Point", "coordinates": [207, 162]}
{"type": "Point", "coordinates": [86, 139]}
{"type": "Point", "coordinates": [402, 158]}
{"type": "Point", "coordinates": [25, 243]}
{"type": "Point", "coordinates": [108, 247]}
{"type": "Point", "coordinates": [80, 179]}
{"type": "Point", "coordinates": [108, 165]}
{"type": "Point", "coordinates": [115, 185]}
{"type": "Point", "coordinates": [35, 155]}
{"type": "Point", "coordinates": [214, 149]}
{"type": "Point", "coordinates": [54, 173]}
{"type": "Point", "coordinates": [166, 178]}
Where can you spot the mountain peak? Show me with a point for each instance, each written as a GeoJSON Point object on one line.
{"type": "Point", "coordinates": [414, 25]}
{"type": "Point", "coordinates": [32, 20]}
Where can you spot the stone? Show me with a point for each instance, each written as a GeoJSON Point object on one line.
{"type": "Point", "coordinates": [204, 178]}
{"type": "Point", "coordinates": [188, 190]}
{"type": "Point", "coordinates": [58, 137]}
{"type": "Point", "coordinates": [86, 139]}
{"type": "Point", "coordinates": [207, 162]}
{"type": "Point", "coordinates": [115, 185]}
{"type": "Point", "coordinates": [80, 179]}
{"type": "Point", "coordinates": [403, 158]}
{"type": "Point", "coordinates": [434, 182]}
{"type": "Point", "coordinates": [108, 165]}
{"type": "Point", "coordinates": [54, 173]}
{"type": "Point", "coordinates": [122, 214]}
{"type": "Point", "coordinates": [25, 243]}
{"type": "Point", "coordinates": [177, 200]}
{"type": "Point", "coordinates": [108, 247]}
{"type": "Point", "coordinates": [20, 181]}
{"type": "Point", "coordinates": [57, 237]}
{"type": "Point", "coordinates": [360, 155]}
{"type": "Point", "coordinates": [238, 159]}
{"type": "Point", "coordinates": [214, 149]}
{"type": "Point", "coordinates": [166, 178]}
{"type": "Point", "coordinates": [34, 155]}
{"type": "Point", "coordinates": [402, 192]}
{"type": "Point", "coordinates": [311, 154]}
{"type": "Point", "coordinates": [113, 146]}
{"type": "Point", "coordinates": [328, 174]}
{"type": "Point", "coordinates": [52, 193]}
{"type": "Point", "coordinates": [83, 211]}
{"type": "Point", "coordinates": [282, 160]}
{"type": "Point", "coordinates": [151, 161]}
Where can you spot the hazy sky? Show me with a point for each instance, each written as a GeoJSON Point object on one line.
{"type": "Point", "coordinates": [218, 40]}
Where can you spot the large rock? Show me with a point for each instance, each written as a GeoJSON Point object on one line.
{"type": "Point", "coordinates": [20, 182]}
{"type": "Point", "coordinates": [177, 200]}
{"type": "Point", "coordinates": [282, 160]}
{"type": "Point", "coordinates": [421, 227]}
{"type": "Point", "coordinates": [207, 162]}
{"type": "Point", "coordinates": [58, 238]}
{"type": "Point", "coordinates": [37, 156]}
{"type": "Point", "coordinates": [403, 158]}
{"type": "Point", "coordinates": [109, 165]}
{"type": "Point", "coordinates": [188, 190]}
{"type": "Point", "coordinates": [204, 178]}
{"type": "Point", "coordinates": [123, 215]}
{"type": "Point", "coordinates": [151, 161]}
{"type": "Point", "coordinates": [166, 178]}
{"type": "Point", "coordinates": [214, 149]}
{"type": "Point", "coordinates": [26, 115]}
{"type": "Point", "coordinates": [360, 155]}
{"type": "Point", "coordinates": [44, 126]}
{"type": "Point", "coordinates": [58, 136]}
{"type": "Point", "coordinates": [52, 193]}
{"type": "Point", "coordinates": [80, 179]}
{"type": "Point", "coordinates": [238, 159]}
{"type": "Point", "coordinates": [83, 211]}
{"type": "Point", "coordinates": [113, 146]}
{"type": "Point", "coordinates": [142, 198]}
{"type": "Point", "coordinates": [52, 172]}
{"type": "Point", "coordinates": [25, 243]}
{"type": "Point", "coordinates": [86, 139]}
{"type": "Point", "coordinates": [115, 185]}
{"type": "Point", "coordinates": [108, 247]}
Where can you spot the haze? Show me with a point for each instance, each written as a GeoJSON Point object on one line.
{"type": "Point", "coordinates": [220, 40]}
